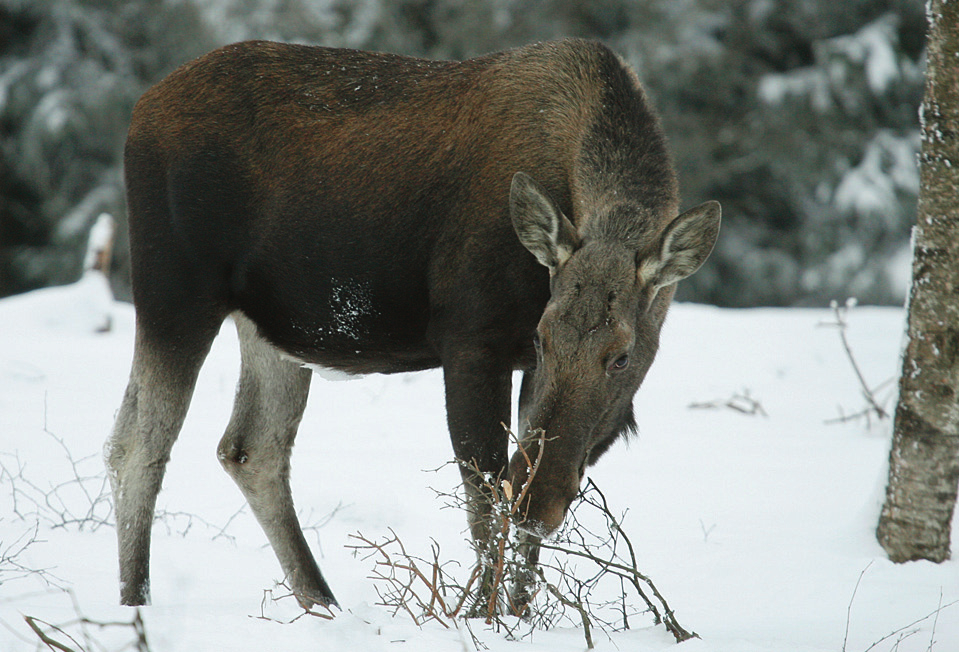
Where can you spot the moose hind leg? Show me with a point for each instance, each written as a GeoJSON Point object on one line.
{"type": "Point", "coordinates": [255, 451]}
{"type": "Point", "coordinates": [151, 415]}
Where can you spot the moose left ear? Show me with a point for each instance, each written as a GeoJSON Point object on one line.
{"type": "Point", "coordinates": [685, 246]}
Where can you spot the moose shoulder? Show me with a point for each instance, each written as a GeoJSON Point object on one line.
{"type": "Point", "coordinates": [371, 213]}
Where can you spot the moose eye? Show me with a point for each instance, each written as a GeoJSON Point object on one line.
{"type": "Point", "coordinates": [620, 363]}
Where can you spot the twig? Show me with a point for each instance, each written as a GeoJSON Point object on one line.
{"type": "Point", "coordinates": [404, 582]}
{"type": "Point", "coordinates": [222, 531]}
{"type": "Point", "coordinates": [842, 325]}
{"type": "Point", "coordinates": [45, 639]}
{"type": "Point", "coordinates": [269, 597]}
{"type": "Point", "coordinates": [845, 637]}
{"type": "Point", "coordinates": [83, 500]}
{"type": "Point", "coordinates": [902, 629]}
{"type": "Point", "coordinates": [912, 624]}
{"type": "Point", "coordinates": [43, 632]}
{"type": "Point", "coordinates": [315, 526]}
{"type": "Point", "coordinates": [706, 531]}
{"type": "Point", "coordinates": [576, 605]}
{"type": "Point", "coordinates": [738, 402]}
{"type": "Point", "coordinates": [11, 568]}
{"type": "Point", "coordinates": [935, 622]}
{"type": "Point", "coordinates": [634, 576]}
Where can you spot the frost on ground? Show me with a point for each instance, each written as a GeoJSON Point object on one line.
{"type": "Point", "coordinates": [757, 525]}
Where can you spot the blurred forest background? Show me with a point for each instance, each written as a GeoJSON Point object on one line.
{"type": "Point", "coordinates": [800, 116]}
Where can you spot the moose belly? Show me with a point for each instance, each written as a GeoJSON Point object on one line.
{"type": "Point", "coordinates": [350, 326]}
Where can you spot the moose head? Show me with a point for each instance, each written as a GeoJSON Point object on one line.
{"type": "Point", "coordinates": [596, 339]}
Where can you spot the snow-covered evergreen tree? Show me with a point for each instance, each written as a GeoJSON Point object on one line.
{"type": "Point", "coordinates": [799, 115]}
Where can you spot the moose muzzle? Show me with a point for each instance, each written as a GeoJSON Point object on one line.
{"type": "Point", "coordinates": [552, 488]}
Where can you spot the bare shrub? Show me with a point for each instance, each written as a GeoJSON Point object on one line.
{"type": "Point", "coordinates": [12, 565]}
{"type": "Point", "coordinates": [81, 501]}
{"type": "Point", "coordinates": [588, 576]}
{"type": "Point", "coordinates": [423, 588]}
{"type": "Point", "coordinates": [607, 558]}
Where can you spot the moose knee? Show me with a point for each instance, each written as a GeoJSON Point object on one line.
{"type": "Point", "coordinates": [233, 455]}
{"type": "Point", "coordinates": [243, 465]}
{"type": "Point", "coordinates": [253, 462]}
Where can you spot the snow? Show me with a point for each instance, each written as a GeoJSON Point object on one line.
{"type": "Point", "coordinates": [99, 239]}
{"type": "Point", "coordinates": [869, 54]}
{"type": "Point", "coordinates": [888, 166]}
{"type": "Point", "coordinates": [777, 88]}
{"type": "Point", "coordinates": [755, 529]}
{"type": "Point", "coordinates": [874, 46]}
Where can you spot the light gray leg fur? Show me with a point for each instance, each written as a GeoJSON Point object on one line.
{"type": "Point", "coordinates": [255, 451]}
{"type": "Point", "coordinates": [150, 418]}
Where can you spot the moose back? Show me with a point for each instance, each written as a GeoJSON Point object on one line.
{"type": "Point", "coordinates": [371, 213]}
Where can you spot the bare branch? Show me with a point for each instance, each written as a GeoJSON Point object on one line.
{"type": "Point", "coordinates": [740, 402]}
{"type": "Point", "coordinates": [49, 633]}
{"type": "Point", "coordinates": [269, 598]}
{"type": "Point", "coordinates": [11, 568]}
{"type": "Point", "coordinates": [849, 606]}
{"type": "Point", "coordinates": [900, 632]}
{"type": "Point", "coordinates": [873, 406]}
{"type": "Point", "coordinates": [45, 638]}
{"type": "Point", "coordinates": [577, 606]}
{"type": "Point", "coordinates": [902, 629]}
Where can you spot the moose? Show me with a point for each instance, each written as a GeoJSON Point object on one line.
{"type": "Point", "coordinates": [373, 213]}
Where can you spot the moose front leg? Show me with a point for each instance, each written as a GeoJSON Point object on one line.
{"type": "Point", "coordinates": [478, 406]}
{"type": "Point", "coordinates": [525, 577]}
{"type": "Point", "coordinates": [478, 411]}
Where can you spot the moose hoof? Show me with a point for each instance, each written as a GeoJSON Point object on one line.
{"type": "Point", "coordinates": [310, 599]}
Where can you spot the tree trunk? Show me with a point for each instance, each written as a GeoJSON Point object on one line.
{"type": "Point", "coordinates": [924, 463]}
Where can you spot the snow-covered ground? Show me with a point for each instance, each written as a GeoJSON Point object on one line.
{"type": "Point", "coordinates": [755, 528]}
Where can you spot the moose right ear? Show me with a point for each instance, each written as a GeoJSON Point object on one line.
{"type": "Point", "coordinates": [540, 224]}
{"type": "Point", "coordinates": [685, 245]}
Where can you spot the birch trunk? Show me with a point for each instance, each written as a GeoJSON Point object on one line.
{"type": "Point", "coordinates": [924, 463]}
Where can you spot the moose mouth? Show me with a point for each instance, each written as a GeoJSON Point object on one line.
{"type": "Point", "coordinates": [536, 529]}
{"type": "Point", "coordinates": [542, 510]}
{"type": "Point", "coordinates": [552, 490]}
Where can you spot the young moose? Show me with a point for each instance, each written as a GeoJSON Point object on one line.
{"type": "Point", "coordinates": [371, 213]}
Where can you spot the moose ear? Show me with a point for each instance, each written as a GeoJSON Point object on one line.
{"type": "Point", "coordinates": [685, 246]}
{"type": "Point", "coordinates": [540, 224]}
